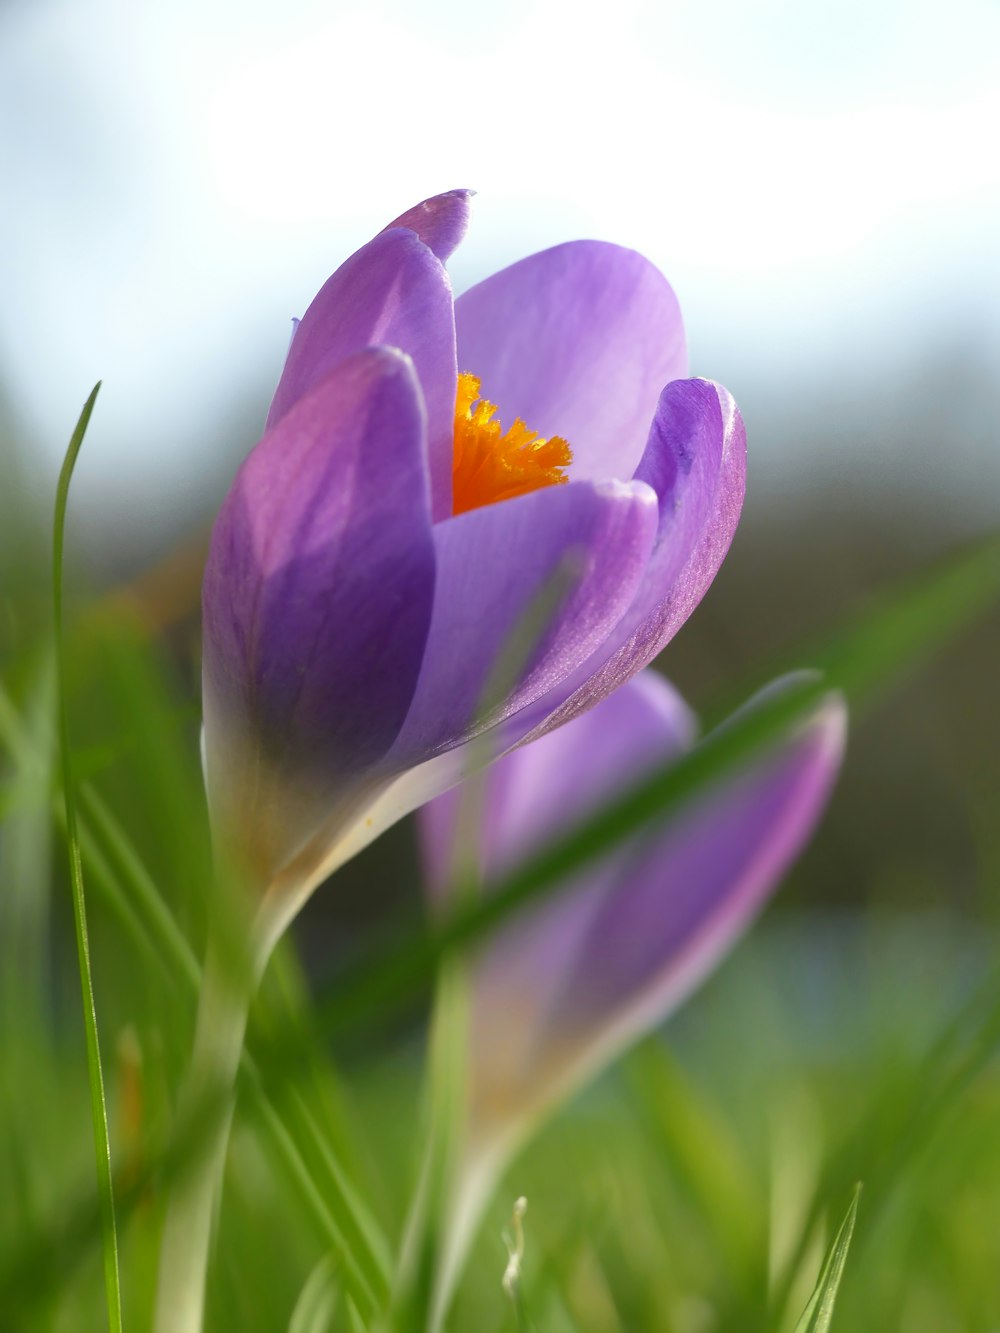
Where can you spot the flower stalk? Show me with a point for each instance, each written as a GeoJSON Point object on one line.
{"type": "Point", "coordinates": [420, 1297]}
{"type": "Point", "coordinates": [205, 1112]}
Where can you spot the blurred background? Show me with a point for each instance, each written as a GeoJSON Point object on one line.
{"type": "Point", "coordinates": [819, 182]}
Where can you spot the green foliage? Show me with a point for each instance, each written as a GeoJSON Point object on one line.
{"type": "Point", "coordinates": [818, 1314]}
{"type": "Point", "coordinates": [688, 1192]}
{"type": "Point", "coordinates": [98, 1102]}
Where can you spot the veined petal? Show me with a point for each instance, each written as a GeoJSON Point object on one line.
{"type": "Point", "coordinates": [695, 460]}
{"type": "Point", "coordinates": [576, 552]}
{"type": "Point", "coordinates": [317, 601]}
{"type": "Point", "coordinates": [441, 222]}
{"type": "Point", "coordinates": [696, 886]}
{"type": "Point", "coordinates": [431, 785]}
{"type": "Point", "coordinates": [542, 790]}
{"type": "Point", "coordinates": [525, 591]}
{"type": "Point", "coordinates": [395, 292]}
{"type": "Point", "coordinates": [578, 341]}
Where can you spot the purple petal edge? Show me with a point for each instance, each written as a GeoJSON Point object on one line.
{"type": "Point", "coordinates": [317, 594]}
{"type": "Point", "coordinates": [536, 792]}
{"type": "Point", "coordinates": [394, 292]}
{"type": "Point", "coordinates": [695, 460]}
{"type": "Point", "coordinates": [578, 341]}
{"type": "Point", "coordinates": [441, 221]}
{"type": "Point", "coordinates": [559, 991]}
{"type": "Point", "coordinates": [696, 888]}
{"type": "Point", "coordinates": [582, 547]}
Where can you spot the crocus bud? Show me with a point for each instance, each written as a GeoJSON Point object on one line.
{"type": "Point", "coordinates": [565, 985]}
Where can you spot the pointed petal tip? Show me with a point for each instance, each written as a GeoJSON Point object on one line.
{"type": "Point", "coordinates": [828, 716]}
{"type": "Point", "coordinates": [829, 725]}
{"type": "Point", "coordinates": [440, 221]}
{"type": "Point", "coordinates": [733, 425]}
{"type": "Point", "coordinates": [387, 359]}
{"type": "Point", "coordinates": [393, 291]}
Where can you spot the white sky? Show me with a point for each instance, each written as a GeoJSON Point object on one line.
{"type": "Point", "coordinates": [819, 181]}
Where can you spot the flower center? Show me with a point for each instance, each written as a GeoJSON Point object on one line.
{"type": "Point", "coordinates": [490, 464]}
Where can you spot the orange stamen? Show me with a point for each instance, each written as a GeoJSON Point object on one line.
{"type": "Point", "coordinates": [490, 464]}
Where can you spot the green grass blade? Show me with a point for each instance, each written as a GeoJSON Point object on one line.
{"type": "Point", "coordinates": [818, 1314]}
{"type": "Point", "coordinates": [357, 1323]}
{"type": "Point", "coordinates": [285, 1152]}
{"type": "Point", "coordinates": [316, 1306]}
{"type": "Point", "coordinates": [98, 1102]}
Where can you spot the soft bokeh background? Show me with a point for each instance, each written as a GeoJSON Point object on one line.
{"type": "Point", "coordinates": [821, 185]}
{"type": "Point", "coordinates": [819, 182]}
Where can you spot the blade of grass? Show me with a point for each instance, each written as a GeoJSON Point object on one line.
{"type": "Point", "coordinates": [818, 1314]}
{"type": "Point", "coordinates": [284, 1150]}
{"type": "Point", "coordinates": [317, 1303]}
{"type": "Point", "coordinates": [98, 1101]}
{"type": "Point", "coordinates": [357, 1323]}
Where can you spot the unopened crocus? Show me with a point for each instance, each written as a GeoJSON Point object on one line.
{"type": "Point", "coordinates": [430, 471]}
{"type": "Point", "coordinates": [562, 987]}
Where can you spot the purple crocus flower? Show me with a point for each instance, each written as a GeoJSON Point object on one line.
{"type": "Point", "coordinates": [386, 538]}
{"type": "Point", "coordinates": [562, 987]}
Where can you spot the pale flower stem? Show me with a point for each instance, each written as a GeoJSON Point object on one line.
{"type": "Point", "coordinates": [208, 1091]}
{"type": "Point", "coordinates": [415, 1307]}
{"type": "Point", "coordinates": [472, 1187]}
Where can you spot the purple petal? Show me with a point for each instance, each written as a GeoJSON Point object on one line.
{"type": "Point", "coordinates": [440, 222]}
{"type": "Point", "coordinates": [695, 887]}
{"type": "Point", "coordinates": [578, 341]}
{"type": "Point", "coordinates": [561, 988]}
{"type": "Point", "coordinates": [581, 547]}
{"type": "Point", "coordinates": [695, 460]}
{"type": "Point", "coordinates": [394, 291]}
{"type": "Point", "coordinates": [532, 795]}
{"type": "Point", "coordinates": [318, 590]}
{"type": "Point", "coordinates": [526, 796]}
